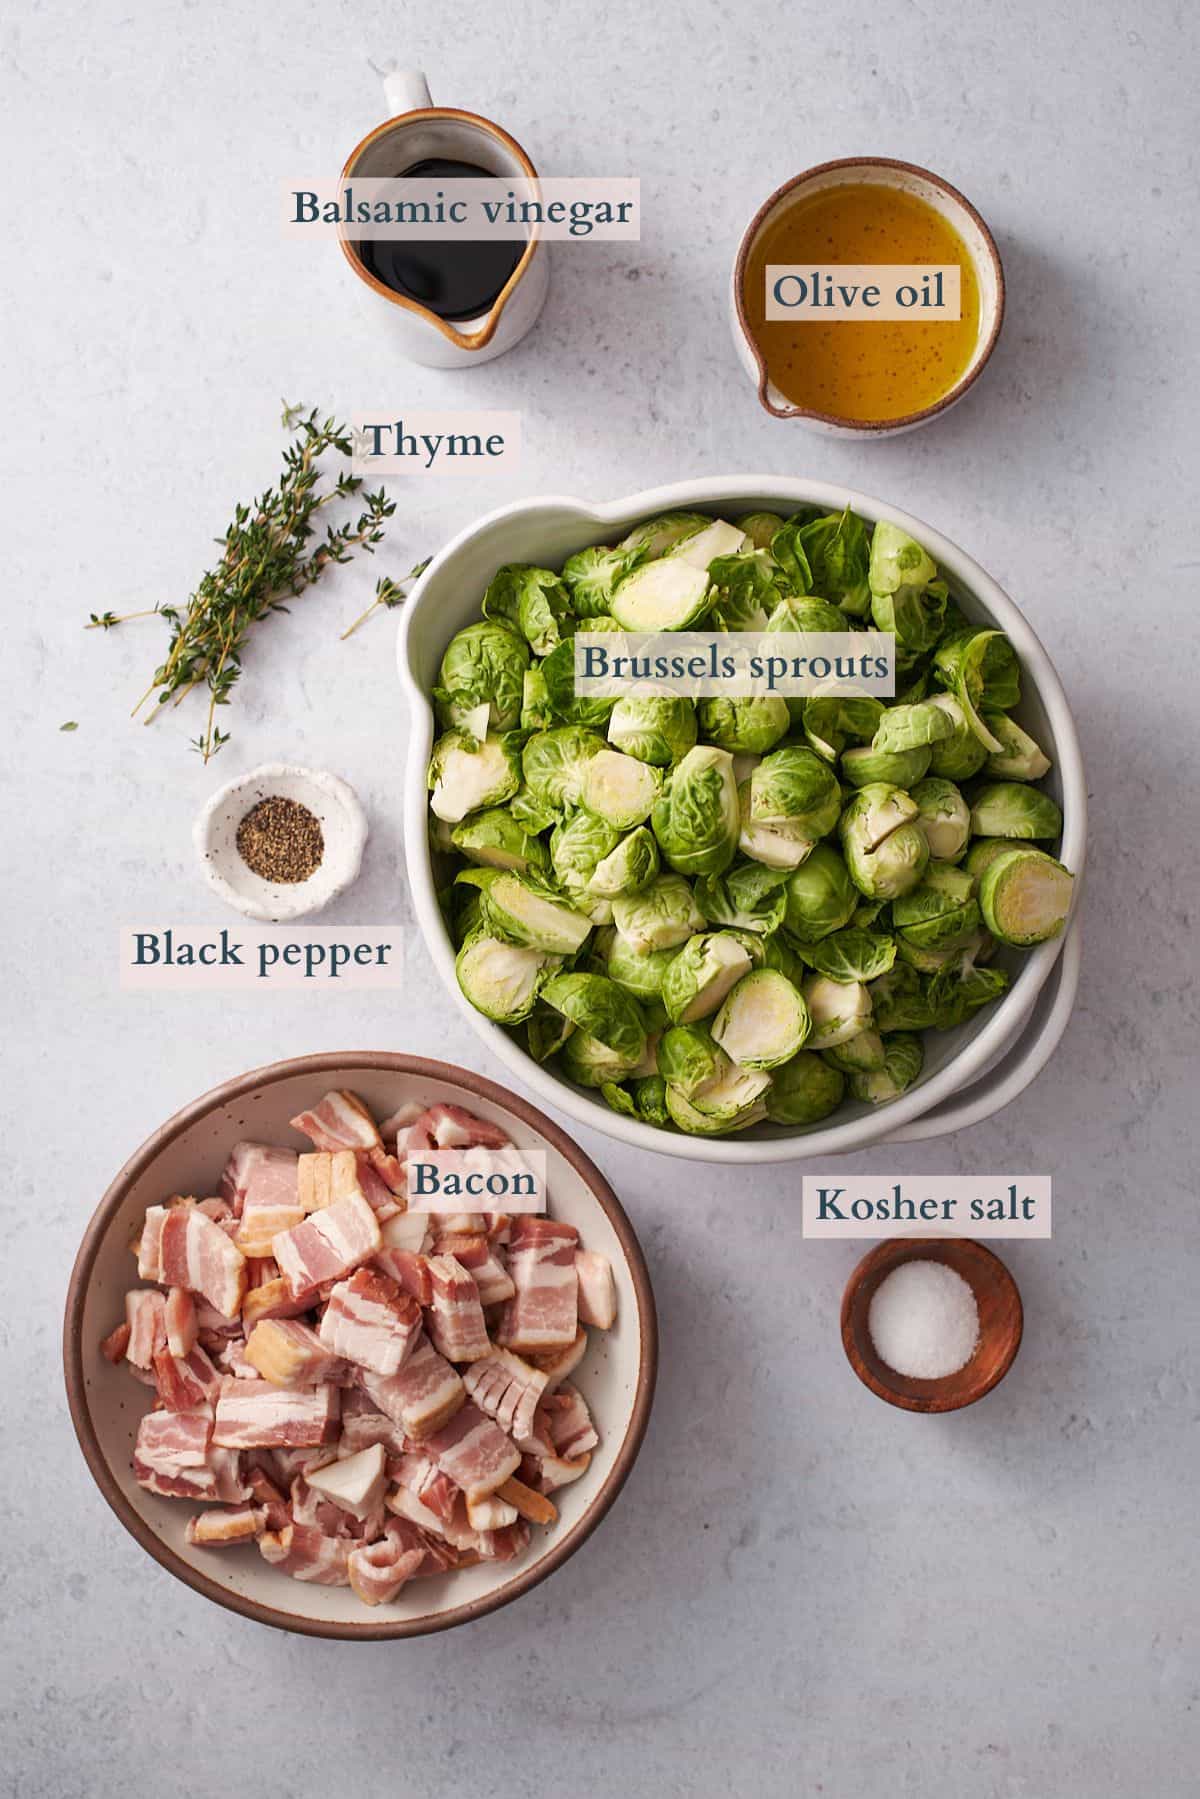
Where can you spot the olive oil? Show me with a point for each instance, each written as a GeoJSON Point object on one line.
{"type": "Point", "coordinates": [875, 371]}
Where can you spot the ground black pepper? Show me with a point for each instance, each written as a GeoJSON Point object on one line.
{"type": "Point", "coordinates": [281, 840]}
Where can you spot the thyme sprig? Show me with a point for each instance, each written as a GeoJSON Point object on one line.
{"type": "Point", "coordinates": [268, 555]}
{"type": "Point", "coordinates": [388, 593]}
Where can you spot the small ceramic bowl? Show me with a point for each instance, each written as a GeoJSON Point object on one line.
{"type": "Point", "coordinates": [881, 171]}
{"type": "Point", "coordinates": [1001, 1321]}
{"type": "Point", "coordinates": [334, 804]}
{"type": "Point", "coordinates": [186, 1155]}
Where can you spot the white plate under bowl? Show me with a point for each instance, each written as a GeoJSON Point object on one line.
{"type": "Point", "coordinates": [546, 532]}
{"type": "Point", "coordinates": [186, 1156]}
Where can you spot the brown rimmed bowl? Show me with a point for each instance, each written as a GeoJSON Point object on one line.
{"type": "Point", "coordinates": [878, 171]}
{"type": "Point", "coordinates": [186, 1155]}
{"type": "Point", "coordinates": [1001, 1320]}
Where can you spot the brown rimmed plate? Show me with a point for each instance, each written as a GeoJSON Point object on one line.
{"type": "Point", "coordinates": [187, 1154]}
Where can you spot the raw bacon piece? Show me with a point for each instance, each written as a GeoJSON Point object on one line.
{"type": "Point", "coordinates": [597, 1293]}
{"type": "Point", "coordinates": [506, 1544]}
{"type": "Point", "coordinates": [422, 1396]}
{"type": "Point", "coordinates": [328, 1245]}
{"type": "Point", "coordinates": [474, 1452]}
{"type": "Point", "coordinates": [185, 1382]}
{"type": "Point", "coordinates": [274, 1299]}
{"type": "Point", "coordinates": [456, 1323]}
{"type": "Point", "coordinates": [409, 1271]}
{"type": "Point", "coordinates": [508, 1390]}
{"type": "Point", "coordinates": [422, 1477]}
{"type": "Point", "coordinates": [306, 1553]}
{"type": "Point", "coordinates": [399, 1121]}
{"type": "Point", "coordinates": [543, 1315]}
{"type": "Point", "coordinates": [261, 1173]}
{"type": "Point", "coordinates": [146, 1315]}
{"type": "Point", "coordinates": [377, 1571]}
{"type": "Point", "coordinates": [180, 1322]}
{"type": "Point", "coordinates": [340, 1121]}
{"type": "Point", "coordinates": [453, 1127]}
{"type": "Point", "coordinates": [218, 1528]}
{"type": "Point", "coordinates": [547, 1472]}
{"type": "Point", "coordinates": [270, 1200]}
{"type": "Point", "coordinates": [289, 1354]}
{"type": "Point", "coordinates": [314, 1181]}
{"type": "Point", "coordinates": [170, 1454]}
{"type": "Point", "coordinates": [253, 1414]}
{"type": "Point", "coordinates": [476, 1255]}
{"type": "Point", "coordinates": [229, 1482]}
{"type": "Point", "coordinates": [197, 1254]}
{"type": "Point", "coordinates": [149, 1244]}
{"type": "Point", "coordinates": [407, 1230]}
{"type": "Point", "coordinates": [382, 1181]}
{"type": "Point", "coordinates": [113, 1346]}
{"type": "Point", "coordinates": [569, 1423]}
{"type": "Point", "coordinates": [370, 1321]}
{"type": "Point", "coordinates": [269, 1500]}
{"type": "Point", "coordinates": [561, 1362]}
{"type": "Point", "coordinates": [491, 1514]}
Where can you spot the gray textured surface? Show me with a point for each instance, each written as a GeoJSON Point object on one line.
{"type": "Point", "coordinates": [801, 1591]}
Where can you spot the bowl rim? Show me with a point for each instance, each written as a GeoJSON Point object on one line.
{"type": "Point", "coordinates": [375, 1061]}
{"type": "Point", "coordinates": [867, 427]}
{"type": "Point", "coordinates": [714, 491]}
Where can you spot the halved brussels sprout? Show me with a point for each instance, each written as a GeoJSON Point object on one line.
{"type": "Point", "coordinates": [820, 896]}
{"type": "Point", "coordinates": [592, 574]}
{"type": "Point", "coordinates": [653, 724]}
{"type": "Point", "coordinates": [886, 853]}
{"type": "Point", "coordinates": [763, 1022]}
{"type": "Point", "coordinates": [944, 817]}
{"type": "Point", "coordinates": [697, 980]}
{"type": "Point", "coordinates": [689, 1060]}
{"type": "Point", "coordinates": [465, 776]}
{"type": "Point", "coordinates": [904, 1058]}
{"type": "Point", "coordinates": [655, 536]}
{"type": "Point", "coordinates": [668, 595]}
{"type": "Point", "coordinates": [695, 819]}
{"type": "Point", "coordinates": [627, 868]}
{"type": "Point", "coordinates": [484, 662]}
{"type": "Point", "coordinates": [852, 955]}
{"type": "Point", "coordinates": [533, 600]}
{"type": "Point", "coordinates": [793, 785]}
{"type": "Point", "coordinates": [748, 898]}
{"type": "Point", "coordinates": [941, 912]}
{"type": "Point", "coordinates": [620, 789]}
{"type": "Point", "coordinates": [495, 839]}
{"type": "Point", "coordinates": [864, 766]}
{"type": "Point", "coordinates": [1010, 809]}
{"type": "Point", "coordinates": [959, 756]}
{"type": "Point", "coordinates": [982, 853]}
{"type": "Point", "coordinates": [805, 612]}
{"type": "Point", "coordinates": [501, 979]}
{"type": "Point", "coordinates": [804, 1090]}
{"type": "Point", "coordinates": [863, 1054]}
{"type": "Point", "coordinates": [1025, 897]}
{"type": "Point", "coordinates": [839, 1010]}
{"type": "Point", "coordinates": [661, 915]}
{"type": "Point", "coordinates": [1019, 757]}
{"type": "Point", "coordinates": [606, 1018]}
{"type": "Point", "coordinates": [578, 844]}
{"type": "Point", "coordinates": [913, 727]}
{"type": "Point", "coordinates": [781, 844]}
{"type": "Point", "coordinates": [745, 726]}
{"type": "Point", "coordinates": [554, 763]}
{"type": "Point", "coordinates": [521, 912]}
{"type": "Point", "coordinates": [723, 1117]}
{"type": "Point", "coordinates": [700, 548]}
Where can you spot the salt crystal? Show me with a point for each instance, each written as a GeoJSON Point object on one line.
{"type": "Point", "coordinates": [924, 1321]}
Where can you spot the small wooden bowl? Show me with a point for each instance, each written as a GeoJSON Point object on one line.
{"type": "Point", "coordinates": [1001, 1320]}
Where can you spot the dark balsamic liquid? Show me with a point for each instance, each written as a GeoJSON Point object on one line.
{"type": "Point", "coordinates": [456, 279]}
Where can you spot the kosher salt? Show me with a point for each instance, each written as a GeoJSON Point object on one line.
{"type": "Point", "coordinates": [924, 1321]}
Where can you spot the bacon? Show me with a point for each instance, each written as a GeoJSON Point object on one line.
{"type": "Point", "coordinates": [274, 1299]}
{"type": "Point", "coordinates": [269, 1500]}
{"type": "Point", "coordinates": [422, 1477]}
{"type": "Point", "coordinates": [114, 1346]}
{"type": "Point", "coordinates": [219, 1528]}
{"type": "Point", "coordinates": [456, 1323]}
{"type": "Point", "coordinates": [543, 1315]}
{"type": "Point", "coordinates": [185, 1382]}
{"type": "Point", "coordinates": [561, 1362]}
{"type": "Point", "coordinates": [261, 1172]}
{"type": "Point", "coordinates": [377, 1571]}
{"type": "Point", "coordinates": [363, 1424]}
{"type": "Point", "coordinates": [399, 1121]}
{"type": "Point", "coordinates": [371, 1321]}
{"type": "Point", "coordinates": [145, 1314]}
{"type": "Point", "coordinates": [197, 1254]}
{"type": "Point", "coordinates": [170, 1455]}
{"type": "Point", "coordinates": [328, 1245]}
{"type": "Point", "coordinates": [508, 1390]}
{"type": "Point", "coordinates": [268, 1197]}
{"type": "Point", "coordinates": [382, 1181]}
{"type": "Point", "coordinates": [545, 1473]}
{"type": "Point", "coordinates": [474, 1452]}
{"type": "Point", "coordinates": [491, 1514]}
{"type": "Point", "coordinates": [568, 1423]}
{"type": "Point", "coordinates": [453, 1127]}
{"type": "Point", "coordinates": [597, 1293]}
{"type": "Point", "coordinates": [423, 1396]}
{"type": "Point", "coordinates": [253, 1414]}
{"type": "Point", "coordinates": [180, 1322]}
{"type": "Point", "coordinates": [407, 1231]}
{"type": "Point", "coordinates": [486, 1269]}
{"type": "Point", "coordinates": [306, 1553]}
{"type": "Point", "coordinates": [340, 1121]}
{"type": "Point", "coordinates": [290, 1354]}
{"type": "Point", "coordinates": [506, 1544]}
{"type": "Point", "coordinates": [149, 1243]}
{"type": "Point", "coordinates": [260, 1270]}
{"type": "Point", "coordinates": [409, 1271]}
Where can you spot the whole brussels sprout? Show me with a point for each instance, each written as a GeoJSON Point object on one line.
{"type": "Point", "coordinates": [661, 915]}
{"type": "Point", "coordinates": [1010, 809]}
{"type": "Point", "coordinates": [865, 765]}
{"type": "Point", "coordinates": [831, 719]}
{"type": "Point", "coordinates": [805, 613]}
{"type": "Point", "coordinates": [886, 853]}
{"type": "Point", "coordinates": [749, 897]}
{"type": "Point", "coordinates": [640, 972]}
{"type": "Point", "coordinates": [899, 1001]}
{"type": "Point", "coordinates": [746, 726]}
{"type": "Point", "coordinates": [743, 590]}
{"type": "Point", "coordinates": [558, 673]}
{"type": "Point", "coordinates": [554, 762]}
{"type": "Point", "coordinates": [863, 1054]}
{"type": "Point", "coordinates": [484, 663]}
{"type": "Point", "coordinates": [852, 955]}
{"type": "Point", "coordinates": [941, 912]}
{"type": "Point", "coordinates": [689, 1060]}
{"type": "Point", "coordinates": [760, 528]}
{"type": "Point", "coordinates": [696, 817]}
{"type": "Point", "coordinates": [533, 601]}
{"type": "Point", "coordinates": [609, 1030]}
{"type": "Point", "coordinates": [804, 1090]}
{"type": "Point", "coordinates": [913, 727]}
{"type": "Point", "coordinates": [653, 724]}
{"type": "Point", "coordinates": [838, 553]}
{"type": "Point", "coordinates": [820, 896]}
{"type": "Point", "coordinates": [794, 785]}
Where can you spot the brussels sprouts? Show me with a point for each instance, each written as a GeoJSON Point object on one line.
{"type": "Point", "coordinates": [620, 789]}
{"type": "Point", "coordinates": [521, 912]}
{"type": "Point", "coordinates": [748, 726]}
{"type": "Point", "coordinates": [959, 988]}
{"type": "Point", "coordinates": [578, 844]}
{"type": "Point", "coordinates": [533, 600]}
{"type": "Point", "coordinates": [899, 1001]}
{"type": "Point", "coordinates": [941, 913]}
{"type": "Point", "coordinates": [898, 565]}
{"type": "Point", "coordinates": [617, 1099]}
{"type": "Point", "coordinates": [750, 897]}
{"type": "Point", "coordinates": [701, 548]}
{"type": "Point", "coordinates": [959, 756]}
{"type": "Point", "coordinates": [863, 1054]}
{"type": "Point", "coordinates": [831, 718]}
{"type": "Point", "coordinates": [606, 1019]}
{"type": "Point", "coordinates": [979, 667]}
{"type": "Point", "coordinates": [591, 575]}
{"type": "Point", "coordinates": [535, 815]}
{"type": "Point", "coordinates": [656, 536]}
{"type": "Point", "coordinates": [839, 1010]}
{"type": "Point", "coordinates": [763, 1022]}
{"type": "Point", "coordinates": [906, 598]}
{"type": "Point", "coordinates": [804, 1090]}
{"type": "Point", "coordinates": [650, 1100]}
{"type": "Point", "coordinates": [1019, 758]}
{"type": "Point", "coordinates": [916, 619]}
{"type": "Point", "coordinates": [820, 896]}
{"type": "Point", "coordinates": [500, 979]}
{"type": "Point", "coordinates": [864, 766]}
{"type": "Point", "coordinates": [659, 916]}
{"type": "Point", "coordinates": [537, 714]}
{"type": "Point", "coordinates": [699, 977]}
{"type": "Point", "coordinates": [465, 776]}
{"type": "Point", "coordinates": [903, 1061]}
{"type": "Point", "coordinates": [852, 955]}
{"type": "Point", "coordinates": [760, 528]}
{"type": "Point", "coordinates": [689, 1060]}
{"type": "Point", "coordinates": [1025, 897]}
{"type": "Point", "coordinates": [668, 595]}
{"type": "Point", "coordinates": [886, 853]}
{"type": "Point", "coordinates": [553, 764]}
{"type": "Point", "coordinates": [913, 727]}
{"type": "Point", "coordinates": [743, 590]}
{"type": "Point", "coordinates": [1010, 809]}
{"type": "Point", "coordinates": [495, 839]}
{"type": "Point", "coordinates": [486, 662]}
{"type": "Point", "coordinates": [982, 854]}
{"type": "Point", "coordinates": [627, 868]}
{"type": "Point", "coordinates": [441, 835]}
{"type": "Point", "coordinates": [776, 845]}
{"type": "Point", "coordinates": [794, 786]}
{"type": "Point", "coordinates": [838, 554]}
{"type": "Point", "coordinates": [733, 1097]}
{"type": "Point", "coordinates": [722, 1118]}
{"type": "Point", "coordinates": [653, 724]}
{"type": "Point", "coordinates": [558, 674]}
{"type": "Point", "coordinates": [546, 1031]}
{"type": "Point", "coordinates": [805, 613]}
{"type": "Point", "coordinates": [695, 819]}
{"type": "Point", "coordinates": [641, 972]}
{"type": "Point", "coordinates": [944, 817]}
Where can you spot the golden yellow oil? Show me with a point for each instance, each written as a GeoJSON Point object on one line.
{"type": "Point", "coordinates": [865, 371]}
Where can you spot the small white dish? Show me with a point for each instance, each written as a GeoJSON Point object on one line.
{"type": "Point", "coordinates": [334, 804]}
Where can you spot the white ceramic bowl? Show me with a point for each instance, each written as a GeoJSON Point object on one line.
{"type": "Point", "coordinates": [547, 531]}
{"type": "Point", "coordinates": [332, 802]}
{"type": "Point", "coordinates": [186, 1156]}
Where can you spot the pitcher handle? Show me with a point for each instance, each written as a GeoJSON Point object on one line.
{"type": "Point", "coordinates": [406, 90]}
